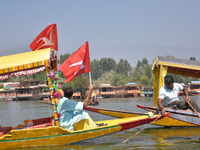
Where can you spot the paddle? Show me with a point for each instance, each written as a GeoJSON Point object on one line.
{"type": "Point", "coordinates": [191, 107]}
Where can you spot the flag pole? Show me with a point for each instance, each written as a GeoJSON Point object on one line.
{"type": "Point", "coordinates": [90, 78]}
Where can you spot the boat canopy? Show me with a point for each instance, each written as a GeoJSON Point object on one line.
{"type": "Point", "coordinates": [24, 63]}
{"type": "Point", "coordinates": [164, 65]}
{"type": "Point", "coordinates": [30, 63]}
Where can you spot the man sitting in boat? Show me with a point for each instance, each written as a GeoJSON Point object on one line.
{"type": "Point", "coordinates": [169, 96]}
{"type": "Point", "coordinates": [72, 115]}
{"type": "Point", "coordinates": [94, 101]}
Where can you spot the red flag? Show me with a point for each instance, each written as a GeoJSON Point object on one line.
{"type": "Point", "coordinates": [78, 63]}
{"type": "Point", "coordinates": [46, 39]}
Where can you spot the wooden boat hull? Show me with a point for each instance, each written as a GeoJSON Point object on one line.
{"type": "Point", "coordinates": [115, 113]}
{"type": "Point", "coordinates": [55, 135]}
{"type": "Point", "coordinates": [178, 118]}
{"type": "Point", "coordinates": [175, 120]}
{"type": "Point", "coordinates": [24, 97]}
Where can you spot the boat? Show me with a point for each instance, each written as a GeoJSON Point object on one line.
{"type": "Point", "coordinates": [131, 90]}
{"type": "Point", "coordinates": [195, 88]}
{"type": "Point", "coordinates": [185, 117]}
{"type": "Point", "coordinates": [107, 91]}
{"type": "Point", "coordinates": [28, 90]}
{"type": "Point", "coordinates": [76, 96]}
{"type": "Point", "coordinates": [46, 99]}
{"type": "Point", "coordinates": [95, 103]}
{"type": "Point", "coordinates": [115, 113]}
{"type": "Point", "coordinates": [42, 133]}
{"type": "Point", "coordinates": [178, 118]}
{"type": "Point", "coordinates": [46, 131]}
{"type": "Point", "coordinates": [24, 97]}
{"type": "Point", "coordinates": [162, 66]}
{"type": "Point", "coordinates": [100, 97]}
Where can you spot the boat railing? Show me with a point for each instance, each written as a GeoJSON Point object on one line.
{"type": "Point", "coordinates": [107, 93]}
{"type": "Point", "coordinates": [25, 94]}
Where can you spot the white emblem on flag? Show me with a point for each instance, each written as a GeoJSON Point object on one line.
{"type": "Point", "coordinates": [76, 64]}
{"type": "Point", "coordinates": [46, 40]}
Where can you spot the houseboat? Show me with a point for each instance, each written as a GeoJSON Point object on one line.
{"type": "Point", "coordinates": [195, 88]}
{"type": "Point", "coordinates": [108, 91]}
{"type": "Point", "coordinates": [131, 90]}
{"type": "Point", "coordinates": [28, 90]}
{"type": "Point", "coordinates": [8, 93]}
{"type": "Point", "coordinates": [77, 96]}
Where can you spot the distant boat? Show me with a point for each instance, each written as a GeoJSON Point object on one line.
{"type": "Point", "coordinates": [100, 97]}
{"type": "Point", "coordinates": [22, 97]}
{"type": "Point", "coordinates": [95, 103]}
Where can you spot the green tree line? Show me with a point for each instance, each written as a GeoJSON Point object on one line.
{"type": "Point", "coordinates": [108, 71]}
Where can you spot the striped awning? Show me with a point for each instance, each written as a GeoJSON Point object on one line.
{"type": "Point", "coordinates": [24, 62]}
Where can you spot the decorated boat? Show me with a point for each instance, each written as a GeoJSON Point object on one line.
{"type": "Point", "coordinates": [46, 131]}
{"type": "Point", "coordinates": [162, 66]}
{"type": "Point", "coordinates": [40, 132]}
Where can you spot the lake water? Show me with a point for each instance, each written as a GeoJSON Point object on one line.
{"type": "Point", "coordinates": [152, 137]}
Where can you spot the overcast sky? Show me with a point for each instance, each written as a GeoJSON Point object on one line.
{"type": "Point", "coordinates": [128, 29]}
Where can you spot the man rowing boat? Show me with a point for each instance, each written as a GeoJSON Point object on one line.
{"type": "Point", "coordinates": [169, 96]}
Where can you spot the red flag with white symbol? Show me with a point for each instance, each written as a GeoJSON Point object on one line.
{"type": "Point", "coordinates": [46, 39]}
{"type": "Point", "coordinates": [78, 63]}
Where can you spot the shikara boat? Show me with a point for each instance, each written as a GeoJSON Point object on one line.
{"type": "Point", "coordinates": [45, 134]}
{"type": "Point", "coordinates": [46, 131]}
{"type": "Point", "coordinates": [162, 66]}
{"type": "Point", "coordinates": [178, 118]}
{"type": "Point", "coordinates": [183, 117]}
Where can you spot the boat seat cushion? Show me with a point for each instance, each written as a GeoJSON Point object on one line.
{"type": "Point", "coordinates": [4, 130]}
{"type": "Point", "coordinates": [42, 120]}
{"type": "Point", "coordinates": [39, 126]}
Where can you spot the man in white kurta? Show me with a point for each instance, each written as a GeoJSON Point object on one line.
{"type": "Point", "coordinates": [170, 95]}
{"type": "Point", "coordinates": [72, 115]}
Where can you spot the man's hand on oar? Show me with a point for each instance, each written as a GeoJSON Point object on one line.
{"type": "Point", "coordinates": [188, 101]}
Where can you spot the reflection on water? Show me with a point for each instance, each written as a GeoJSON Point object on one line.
{"type": "Point", "coordinates": [15, 112]}
{"type": "Point", "coordinates": [153, 137]}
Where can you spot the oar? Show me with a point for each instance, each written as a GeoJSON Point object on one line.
{"type": "Point", "coordinates": [191, 106]}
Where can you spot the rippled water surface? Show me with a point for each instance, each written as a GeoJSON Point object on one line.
{"type": "Point", "coordinates": [152, 137]}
